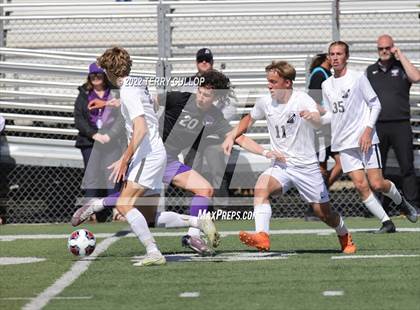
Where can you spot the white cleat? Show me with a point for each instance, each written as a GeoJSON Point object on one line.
{"type": "Point", "coordinates": [152, 259]}
{"type": "Point", "coordinates": [206, 225]}
{"type": "Point", "coordinates": [84, 212]}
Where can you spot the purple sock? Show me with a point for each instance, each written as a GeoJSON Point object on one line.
{"type": "Point", "coordinates": [111, 200]}
{"type": "Point", "coordinates": [199, 203]}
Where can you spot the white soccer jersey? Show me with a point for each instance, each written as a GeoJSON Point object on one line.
{"type": "Point", "coordinates": [289, 133]}
{"type": "Point", "coordinates": [348, 98]}
{"type": "Point", "coordinates": [136, 101]}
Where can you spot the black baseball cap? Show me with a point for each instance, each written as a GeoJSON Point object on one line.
{"type": "Point", "coordinates": [204, 54]}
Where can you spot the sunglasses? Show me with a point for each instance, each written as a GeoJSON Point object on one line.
{"type": "Point", "coordinates": [204, 59]}
{"type": "Point", "coordinates": [99, 76]}
{"type": "Point", "coordinates": [385, 48]}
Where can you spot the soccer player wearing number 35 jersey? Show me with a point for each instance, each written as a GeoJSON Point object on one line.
{"type": "Point", "coordinates": [291, 117]}
{"type": "Point", "coordinates": [353, 108]}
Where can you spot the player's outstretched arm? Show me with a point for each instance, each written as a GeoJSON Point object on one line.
{"type": "Point", "coordinates": [96, 104]}
{"type": "Point", "coordinates": [245, 123]}
{"type": "Point", "coordinates": [313, 118]}
{"type": "Point", "coordinates": [100, 104]}
{"type": "Point", "coordinates": [251, 146]}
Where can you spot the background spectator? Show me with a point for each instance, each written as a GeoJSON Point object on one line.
{"type": "Point", "coordinates": [101, 135]}
{"type": "Point", "coordinates": [391, 77]}
{"type": "Point", "coordinates": [320, 70]}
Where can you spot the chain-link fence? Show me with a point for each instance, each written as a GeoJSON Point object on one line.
{"type": "Point", "coordinates": [38, 194]}
{"type": "Point", "coordinates": [35, 192]}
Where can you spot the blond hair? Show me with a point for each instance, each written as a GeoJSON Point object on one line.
{"type": "Point", "coordinates": [116, 61]}
{"type": "Point", "coordinates": [283, 69]}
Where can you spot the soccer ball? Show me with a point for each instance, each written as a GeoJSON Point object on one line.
{"type": "Point", "coordinates": [81, 242]}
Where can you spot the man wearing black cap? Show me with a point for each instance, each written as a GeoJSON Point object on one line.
{"type": "Point", "coordinates": [204, 60]}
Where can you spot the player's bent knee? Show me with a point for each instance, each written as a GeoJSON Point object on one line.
{"type": "Point", "coordinates": [260, 193]}
{"type": "Point", "coordinates": [205, 192]}
{"type": "Point", "coordinates": [322, 215]}
{"type": "Point", "coordinates": [377, 186]}
{"type": "Point", "coordinates": [362, 187]}
{"type": "Point", "coordinates": [324, 212]}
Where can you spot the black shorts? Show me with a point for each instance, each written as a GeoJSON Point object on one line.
{"type": "Point", "coordinates": [323, 155]}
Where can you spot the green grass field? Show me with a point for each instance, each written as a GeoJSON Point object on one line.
{"type": "Point", "coordinates": [297, 281]}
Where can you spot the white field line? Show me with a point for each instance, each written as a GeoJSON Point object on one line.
{"type": "Point", "coordinates": [223, 233]}
{"type": "Point", "coordinates": [59, 298]}
{"type": "Point", "coordinates": [374, 256]}
{"type": "Point", "coordinates": [20, 260]}
{"type": "Point", "coordinates": [189, 294]}
{"type": "Point", "coordinates": [69, 277]}
{"type": "Point", "coordinates": [333, 293]}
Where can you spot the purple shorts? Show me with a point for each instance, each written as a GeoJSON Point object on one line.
{"type": "Point", "coordinates": [173, 168]}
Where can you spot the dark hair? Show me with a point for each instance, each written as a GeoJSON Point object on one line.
{"type": "Point", "coordinates": [218, 81]}
{"type": "Point", "coordinates": [317, 61]}
{"type": "Point", "coordinates": [342, 43]}
{"type": "Point", "coordinates": [89, 86]}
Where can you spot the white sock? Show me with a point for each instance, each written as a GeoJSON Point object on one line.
{"type": "Point", "coordinates": [192, 231]}
{"type": "Point", "coordinates": [141, 230]}
{"type": "Point", "coordinates": [341, 228]}
{"type": "Point", "coordinates": [394, 194]}
{"type": "Point", "coordinates": [98, 205]}
{"type": "Point", "coordinates": [173, 220]}
{"type": "Point", "coordinates": [262, 217]}
{"type": "Point", "coordinates": [375, 207]}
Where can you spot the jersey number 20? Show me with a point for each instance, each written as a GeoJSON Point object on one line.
{"type": "Point", "coordinates": [189, 122]}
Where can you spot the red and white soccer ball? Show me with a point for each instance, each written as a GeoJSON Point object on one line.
{"type": "Point", "coordinates": [81, 242]}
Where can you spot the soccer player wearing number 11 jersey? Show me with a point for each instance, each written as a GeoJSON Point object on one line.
{"type": "Point", "coordinates": [353, 108]}
{"type": "Point", "coordinates": [291, 117]}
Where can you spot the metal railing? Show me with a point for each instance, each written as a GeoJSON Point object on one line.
{"type": "Point", "coordinates": [245, 81]}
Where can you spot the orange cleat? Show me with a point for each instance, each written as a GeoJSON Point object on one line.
{"type": "Point", "coordinates": [347, 245]}
{"type": "Point", "coordinates": [260, 240]}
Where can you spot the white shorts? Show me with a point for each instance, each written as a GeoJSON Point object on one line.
{"type": "Point", "coordinates": [148, 171]}
{"type": "Point", "coordinates": [353, 159]}
{"type": "Point", "coordinates": [307, 180]}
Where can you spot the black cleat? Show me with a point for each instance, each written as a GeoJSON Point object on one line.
{"type": "Point", "coordinates": [408, 210]}
{"type": "Point", "coordinates": [388, 227]}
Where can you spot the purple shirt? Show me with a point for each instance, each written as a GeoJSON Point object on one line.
{"type": "Point", "coordinates": [101, 118]}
